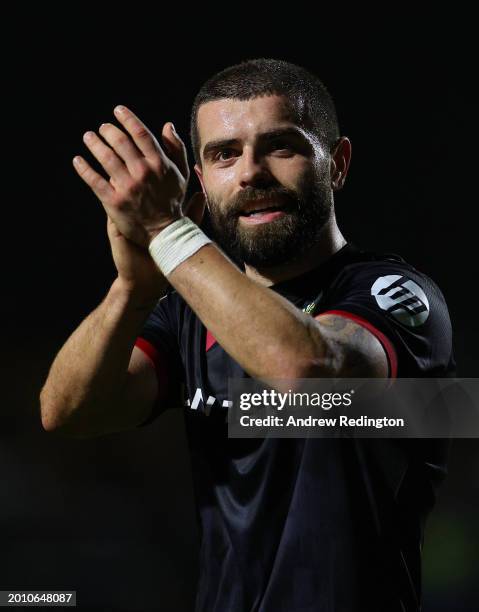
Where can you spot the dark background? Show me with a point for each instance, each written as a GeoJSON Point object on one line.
{"type": "Point", "coordinates": [113, 517]}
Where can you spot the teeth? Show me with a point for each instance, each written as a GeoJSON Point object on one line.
{"type": "Point", "coordinates": [262, 211]}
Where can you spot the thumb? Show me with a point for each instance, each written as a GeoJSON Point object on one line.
{"type": "Point", "coordinates": [196, 207]}
{"type": "Point", "coordinates": [176, 149]}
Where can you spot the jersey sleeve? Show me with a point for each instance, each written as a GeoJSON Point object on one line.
{"type": "Point", "coordinates": [403, 308]}
{"type": "Point", "coordinates": [158, 339]}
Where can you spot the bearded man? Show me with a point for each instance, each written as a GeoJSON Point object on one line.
{"type": "Point", "coordinates": [273, 292]}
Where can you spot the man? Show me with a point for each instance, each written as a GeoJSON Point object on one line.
{"type": "Point", "coordinates": [286, 524]}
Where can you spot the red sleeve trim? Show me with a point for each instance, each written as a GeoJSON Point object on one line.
{"type": "Point", "coordinates": [159, 363]}
{"type": "Point", "coordinates": [210, 340]}
{"type": "Point", "coordinates": [386, 343]}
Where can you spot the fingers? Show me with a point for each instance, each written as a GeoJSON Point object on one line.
{"type": "Point", "coordinates": [123, 146]}
{"type": "Point", "coordinates": [107, 158]}
{"type": "Point", "coordinates": [176, 149]}
{"type": "Point", "coordinates": [141, 135]}
{"type": "Point", "coordinates": [100, 187]}
{"type": "Point", "coordinates": [128, 159]}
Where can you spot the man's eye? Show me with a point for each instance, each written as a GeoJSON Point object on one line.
{"type": "Point", "coordinates": [224, 154]}
{"type": "Point", "coordinates": [281, 145]}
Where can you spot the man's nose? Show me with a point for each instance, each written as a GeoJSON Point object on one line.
{"type": "Point", "coordinates": [254, 171]}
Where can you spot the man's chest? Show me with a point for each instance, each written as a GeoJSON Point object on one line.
{"type": "Point", "coordinates": [208, 367]}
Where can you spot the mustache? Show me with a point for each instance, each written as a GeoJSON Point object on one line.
{"type": "Point", "coordinates": [287, 198]}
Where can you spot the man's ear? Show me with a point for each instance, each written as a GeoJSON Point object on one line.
{"type": "Point", "coordinates": [340, 160]}
{"type": "Point", "coordinates": [199, 174]}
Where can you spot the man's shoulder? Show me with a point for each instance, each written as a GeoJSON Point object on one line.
{"type": "Point", "coordinates": [364, 259]}
{"type": "Point", "coordinates": [387, 288]}
{"type": "Point", "coordinates": [384, 268]}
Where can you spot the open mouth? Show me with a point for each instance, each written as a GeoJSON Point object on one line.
{"type": "Point", "coordinates": [260, 211]}
{"type": "Point", "coordinates": [268, 205]}
{"type": "Point", "coordinates": [263, 213]}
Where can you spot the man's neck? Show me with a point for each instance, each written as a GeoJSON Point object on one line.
{"type": "Point", "coordinates": [331, 240]}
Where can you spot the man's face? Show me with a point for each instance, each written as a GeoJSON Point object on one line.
{"type": "Point", "coordinates": [267, 180]}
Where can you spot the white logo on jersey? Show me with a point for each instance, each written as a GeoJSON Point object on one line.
{"type": "Point", "coordinates": [198, 399]}
{"type": "Point", "coordinates": [402, 298]}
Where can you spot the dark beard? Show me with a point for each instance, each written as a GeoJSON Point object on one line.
{"type": "Point", "coordinates": [280, 241]}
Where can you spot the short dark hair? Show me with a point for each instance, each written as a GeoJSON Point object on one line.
{"type": "Point", "coordinates": [310, 101]}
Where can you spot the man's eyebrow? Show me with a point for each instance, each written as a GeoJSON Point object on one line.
{"type": "Point", "coordinates": [280, 132]}
{"type": "Point", "coordinates": [213, 145]}
{"type": "Point", "coordinates": [218, 144]}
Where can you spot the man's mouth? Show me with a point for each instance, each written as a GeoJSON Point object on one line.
{"type": "Point", "coordinates": [262, 206]}
{"type": "Point", "coordinates": [262, 212]}
{"type": "Point", "coordinates": [258, 211]}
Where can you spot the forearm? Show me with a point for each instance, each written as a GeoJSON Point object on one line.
{"type": "Point", "coordinates": [266, 334]}
{"type": "Point", "coordinates": [90, 370]}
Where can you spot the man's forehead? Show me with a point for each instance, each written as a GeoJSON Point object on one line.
{"type": "Point", "coordinates": [229, 118]}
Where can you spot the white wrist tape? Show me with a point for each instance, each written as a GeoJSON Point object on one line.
{"type": "Point", "coordinates": [178, 241]}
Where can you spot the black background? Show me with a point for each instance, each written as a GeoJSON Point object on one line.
{"type": "Point", "coordinates": [113, 517]}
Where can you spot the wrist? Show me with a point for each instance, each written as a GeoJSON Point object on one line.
{"type": "Point", "coordinates": [154, 232]}
{"type": "Point", "coordinates": [175, 243]}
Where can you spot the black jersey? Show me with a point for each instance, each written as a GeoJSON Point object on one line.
{"type": "Point", "coordinates": [310, 524]}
